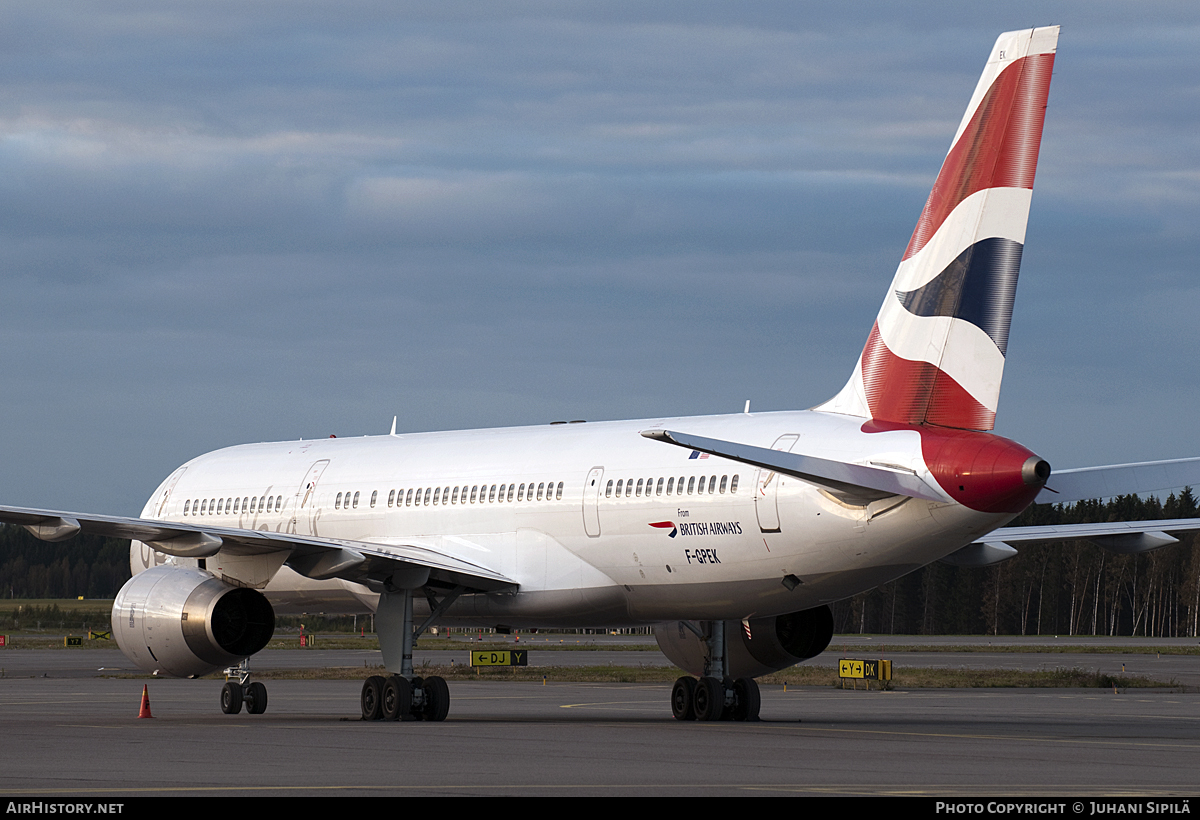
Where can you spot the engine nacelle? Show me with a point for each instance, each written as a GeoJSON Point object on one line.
{"type": "Point", "coordinates": [772, 643]}
{"type": "Point", "coordinates": [184, 622]}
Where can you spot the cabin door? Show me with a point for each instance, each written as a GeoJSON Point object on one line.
{"type": "Point", "coordinates": [766, 488]}
{"type": "Point", "coordinates": [591, 502]}
{"type": "Point", "coordinates": [305, 509]}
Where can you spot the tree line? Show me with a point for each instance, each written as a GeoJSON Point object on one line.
{"type": "Point", "coordinates": [1052, 588]}
{"type": "Point", "coordinates": [1059, 588]}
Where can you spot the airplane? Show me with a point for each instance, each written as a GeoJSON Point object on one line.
{"type": "Point", "coordinates": [730, 534]}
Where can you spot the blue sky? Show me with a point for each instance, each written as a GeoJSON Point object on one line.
{"type": "Point", "coordinates": [230, 222]}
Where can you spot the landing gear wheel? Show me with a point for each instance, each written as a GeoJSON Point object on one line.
{"type": "Point", "coordinates": [437, 699]}
{"type": "Point", "coordinates": [683, 696]}
{"type": "Point", "coordinates": [372, 698]}
{"type": "Point", "coordinates": [231, 697]}
{"type": "Point", "coordinates": [397, 698]}
{"type": "Point", "coordinates": [746, 699]}
{"type": "Point", "coordinates": [417, 710]}
{"type": "Point", "coordinates": [256, 698]}
{"type": "Point", "coordinates": [709, 699]}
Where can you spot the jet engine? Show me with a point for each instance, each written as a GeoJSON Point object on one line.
{"type": "Point", "coordinates": [755, 647]}
{"type": "Point", "coordinates": [185, 622]}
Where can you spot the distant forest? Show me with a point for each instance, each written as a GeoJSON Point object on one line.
{"type": "Point", "coordinates": [1061, 588]}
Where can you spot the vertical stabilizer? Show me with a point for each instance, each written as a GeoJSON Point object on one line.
{"type": "Point", "coordinates": [936, 352]}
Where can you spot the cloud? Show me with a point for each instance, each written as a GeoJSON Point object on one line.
{"type": "Point", "coordinates": [228, 222]}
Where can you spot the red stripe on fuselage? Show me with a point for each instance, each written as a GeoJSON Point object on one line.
{"type": "Point", "coordinates": [997, 149]}
{"type": "Point", "coordinates": [909, 392]}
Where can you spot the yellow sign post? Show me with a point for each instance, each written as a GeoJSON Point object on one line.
{"type": "Point", "coordinates": [866, 671]}
{"type": "Point", "coordinates": [499, 657]}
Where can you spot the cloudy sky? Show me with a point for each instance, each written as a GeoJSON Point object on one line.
{"type": "Point", "coordinates": [226, 222]}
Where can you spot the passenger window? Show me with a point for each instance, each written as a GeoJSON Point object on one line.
{"type": "Point", "coordinates": [186, 506]}
{"type": "Point", "coordinates": [356, 500]}
{"type": "Point", "coordinates": [501, 498]}
{"type": "Point", "coordinates": [428, 492]}
{"type": "Point", "coordinates": [691, 484]}
{"type": "Point", "coordinates": [620, 486]}
{"type": "Point", "coordinates": [712, 484]}
{"type": "Point", "coordinates": [629, 488]}
{"type": "Point", "coordinates": [670, 485]}
{"type": "Point", "coordinates": [558, 497]}
{"type": "Point", "coordinates": [454, 496]}
{"type": "Point", "coordinates": [607, 490]}
{"type": "Point", "coordinates": [510, 491]}
{"type": "Point", "coordinates": [724, 481]}
{"type": "Point", "coordinates": [658, 490]}
{"type": "Point", "coordinates": [733, 485]}
{"type": "Point", "coordinates": [391, 497]}
{"type": "Point", "coordinates": [374, 497]}
{"type": "Point", "coordinates": [492, 494]}
{"type": "Point", "coordinates": [474, 488]}
{"type": "Point", "coordinates": [639, 488]}
{"type": "Point", "coordinates": [437, 494]}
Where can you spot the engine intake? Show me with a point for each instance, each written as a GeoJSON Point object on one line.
{"type": "Point", "coordinates": [185, 622]}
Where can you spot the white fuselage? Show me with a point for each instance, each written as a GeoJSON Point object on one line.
{"type": "Point", "coordinates": [629, 538]}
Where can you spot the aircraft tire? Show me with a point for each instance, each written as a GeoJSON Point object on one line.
{"type": "Point", "coordinates": [256, 698]}
{"type": "Point", "coordinates": [397, 698]}
{"type": "Point", "coordinates": [437, 699]}
{"type": "Point", "coordinates": [231, 697]}
{"type": "Point", "coordinates": [683, 700]}
{"type": "Point", "coordinates": [746, 699]}
{"type": "Point", "coordinates": [710, 699]}
{"type": "Point", "coordinates": [416, 712]}
{"type": "Point", "coordinates": [372, 698]}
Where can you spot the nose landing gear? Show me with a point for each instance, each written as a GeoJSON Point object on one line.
{"type": "Point", "coordinates": [239, 692]}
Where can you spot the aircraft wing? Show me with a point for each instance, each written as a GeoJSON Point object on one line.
{"type": "Point", "coordinates": [1069, 486]}
{"type": "Point", "coordinates": [312, 556]}
{"type": "Point", "coordinates": [840, 476]}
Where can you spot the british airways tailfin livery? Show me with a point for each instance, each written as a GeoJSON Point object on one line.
{"type": "Point", "coordinates": [731, 534]}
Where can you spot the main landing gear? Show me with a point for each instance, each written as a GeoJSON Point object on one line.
{"type": "Point", "coordinates": [712, 698]}
{"type": "Point", "coordinates": [715, 696]}
{"type": "Point", "coordinates": [397, 698]}
{"type": "Point", "coordinates": [405, 696]}
{"type": "Point", "coordinates": [239, 692]}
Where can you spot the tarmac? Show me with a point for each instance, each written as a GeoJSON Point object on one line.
{"type": "Point", "coordinates": [67, 731]}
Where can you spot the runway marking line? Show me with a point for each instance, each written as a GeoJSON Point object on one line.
{"type": "Point", "coordinates": [1023, 738]}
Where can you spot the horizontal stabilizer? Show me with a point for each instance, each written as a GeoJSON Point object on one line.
{"type": "Point", "coordinates": [1121, 537]}
{"type": "Point", "coordinates": [1069, 486]}
{"type": "Point", "coordinates": [980, 554]}
{"type": "Point", "coordinates": [839, 476]}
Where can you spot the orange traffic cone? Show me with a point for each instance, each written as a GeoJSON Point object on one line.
{"type": "Point", "coordinates": [145, 710]}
